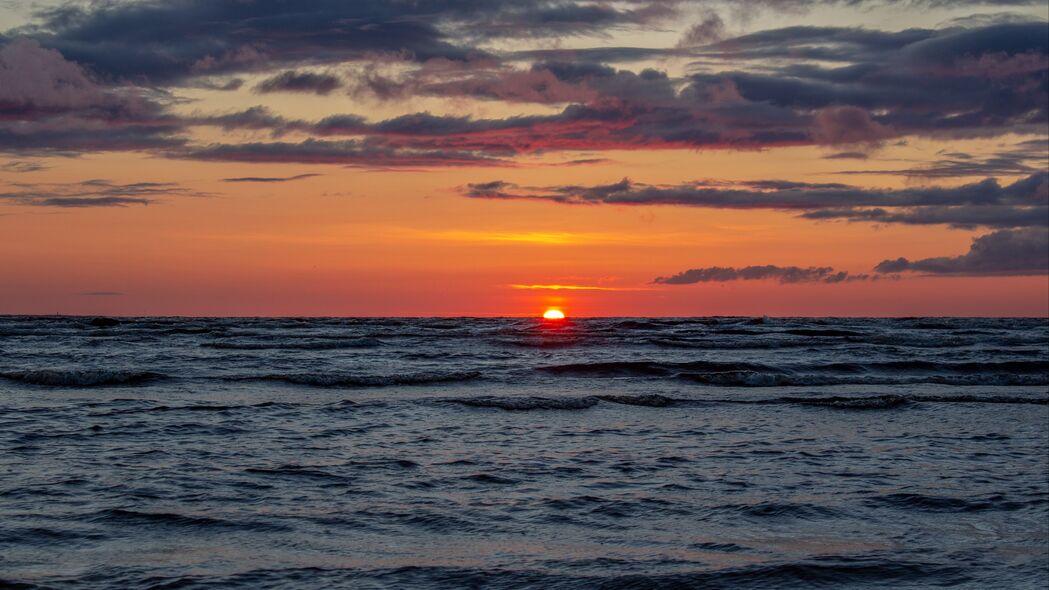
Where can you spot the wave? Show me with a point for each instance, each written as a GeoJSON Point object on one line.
{"type": "Point", "coordinates": [488, 478]}
{"type": "Point", "coordinates": [823, 571]}
{"type": "Point", "coordinates": [870, 402]}
{"type": "Point", "coordinates": [346, 380]}
{"type": "Point", "coordinates": [81, 377]}
{"type": "Point", "coordinates": [193, 408]}
{"type": "Point", "coordinates": [886, 401]}
{"type": "Point", "coordinates": [651, 400]}
{"type": "Point", "coordinates": [878, 402]}
{"type": "Point", "coordinates": [929, 503]}
{"type": "Point", "coordinates": [781, 510]}
{"type": "Point", "coordinates": [526, 403]}
{"type": "Point", "coordinates": [981, 399]}
{"type": "Point", "coordinates": [728, 344]}
{"type": "Point", "coordinates": [153, 519]}
{"type": "Point", "coordinates": [741, 374]}
{"type": "Point", "coordinates": [296, 471]}
{"type": "Point", "coordinates": [828, 333]}
{"type": "Point", "coordinates": [646, 368]}
{"type": "Point", "coordinates": [311, 344]}
{"type": "Point", "coordinates": [541, 342]}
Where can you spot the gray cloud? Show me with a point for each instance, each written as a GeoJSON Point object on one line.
{"type": "Point", "coordinates": [49, 104]}
{"type": "Point", "coordinates": [270, 179]}
{"type": "Point", "coordinates": [303, 82]}
{"type": "Point", "coordinates": [709, 29]}
{"type": "Point", "coordinates": [87, 79]}
{"type": "Point", "coordinates": [1023, 158]}
{"type": "Point", "coordinates": [1005, 252]}
{"type": "Point", "coordinates": [23, 166]}
{"type": "Point", "coordinates": [94, 193]}
{"type": "Point", "coordinates": [986, 203]}
{"type": "Point", "coordinates": [168, 40]}
{"type": "Point", "coordinates": [347, 153]}
{"type": "Point", "coordinates": [783, 274]}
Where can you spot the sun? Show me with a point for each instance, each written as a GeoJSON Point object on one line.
{"type": "Point", "coordinates": [553, 314]}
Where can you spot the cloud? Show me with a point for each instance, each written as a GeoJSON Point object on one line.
{"type": "Point", "coordinates": [848, 125]}
{"type": "Point", "coordinates": [271, 179]}
{"type": "Point", "coordinates": [23, 166]}
{"type": "Point", "coordinates": [347, 153]}
{"type": "Point", "coordinates": [1024, 202]}
{"type": "Point", "coordinates": [1005, 252]}
{"type": "Point", "coordinates": [304, 82]}
{"type": "Point", "coordinates": [89, 78]}
{"type": "Point", "coordinates": [94, 193]}
{"type": "Point", "coordinates": [569, 288]}
{"type": "Point", "coordinates": [950, 83]}
{"type": "Point", "coordinates": [961, 217]}
{"type": "Point", "coordinates": [1023, 158]}
{"type": "Point", "coordinates": [102, 294]}
{"type": "Point", "coordinates": [708, 30]}
{"type": "Point", "coordinates": [49, 104]}
{"type": "Point", "coordinates": [783, 274]}
{"type": "Point", "coordinates": [37, 82]}
{"type": "Point", "coordinates": [166, 41]}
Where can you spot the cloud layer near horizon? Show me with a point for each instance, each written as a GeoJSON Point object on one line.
{"type": "Point", "coordinates": [1023, 203]}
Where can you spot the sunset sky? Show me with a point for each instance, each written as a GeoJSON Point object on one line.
{"type": "Point", "coordinates": [465, 157]}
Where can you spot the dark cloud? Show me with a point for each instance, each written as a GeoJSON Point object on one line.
{"type": "Point", "coordinates": [348, 153]}
{"type": "Point", "coordinates": [1005, 252]}
{"type": "Point", "coordinates": [220, 84]}
{"type": "Point", "coordinates": [1024, 158]}
{"type": "Point", "coordinates": [949, 83]}
{"type": "Point", "coordinates": [961, 217]}
{"type": "Point", "coordinates": [304, 82]}
{"type": "Point", "coordinates": [847, 156]}
{"type": "Point", "coordinates": [270, 178]}
{"type": "Point", "coordinates": [49, 104]}
{"type": "Point", "coordinates": [709, 29]}
{"type": "Point", "coordinates": [986, 203]}
{"type": "Point", "coordinates": [819, 201]}
{"type": "Point", "coordinates": [958, 82]}
{"type": "Point", "coordinates": [848, 87]}
{"type": "Point", "coordinates": [93, 193]}
{"type": "Point", "coordinates": [783, 274]}
{"type": "Point", "coordinates": [167, 40]}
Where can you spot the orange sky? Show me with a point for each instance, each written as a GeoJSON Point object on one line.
{"type": "Point", "coordinates": [381, 241]}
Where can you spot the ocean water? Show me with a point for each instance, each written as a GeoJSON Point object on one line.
{"type": "Point", "coordinates": [513, 453]}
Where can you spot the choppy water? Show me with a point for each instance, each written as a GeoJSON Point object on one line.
{"type": "Point", "coordinates": [509, 453]}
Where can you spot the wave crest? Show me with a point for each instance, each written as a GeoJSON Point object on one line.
{"type": "Point", "coordinates": [81, 377]}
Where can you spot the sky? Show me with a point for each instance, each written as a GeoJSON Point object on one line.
{"type": "Point", "coordinates": [475, 158]}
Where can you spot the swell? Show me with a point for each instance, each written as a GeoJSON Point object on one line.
{"type": "Point", "coordinates": [872, 402]}
{"type": "Point", "coordinates": [305, 344]}
{"type": "Point", "coordinates": [824, 571]}
{"type": "Point", "coordinates": [81, 377]}
{"type": "Point", "coordinates": [356, 380]}
{"type": "Point", "coordinates": [932, 503]}
{"type": "Point", "coordinates": [744, 374]}
{"type": "Point", "coordinates": [170, 519]}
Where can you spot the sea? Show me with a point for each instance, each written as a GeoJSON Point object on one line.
{"type": "Point", "coordinates": [723, 452]}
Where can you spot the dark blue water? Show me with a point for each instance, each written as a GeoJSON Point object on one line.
{"type": "Point", "coordinates": [512, 453]}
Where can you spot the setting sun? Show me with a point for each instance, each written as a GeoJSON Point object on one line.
{"type": "Point", "coordinates": [553, 314]}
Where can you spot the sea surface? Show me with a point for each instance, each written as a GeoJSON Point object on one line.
{"type": "Point", "coordinates": [518, 453]}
